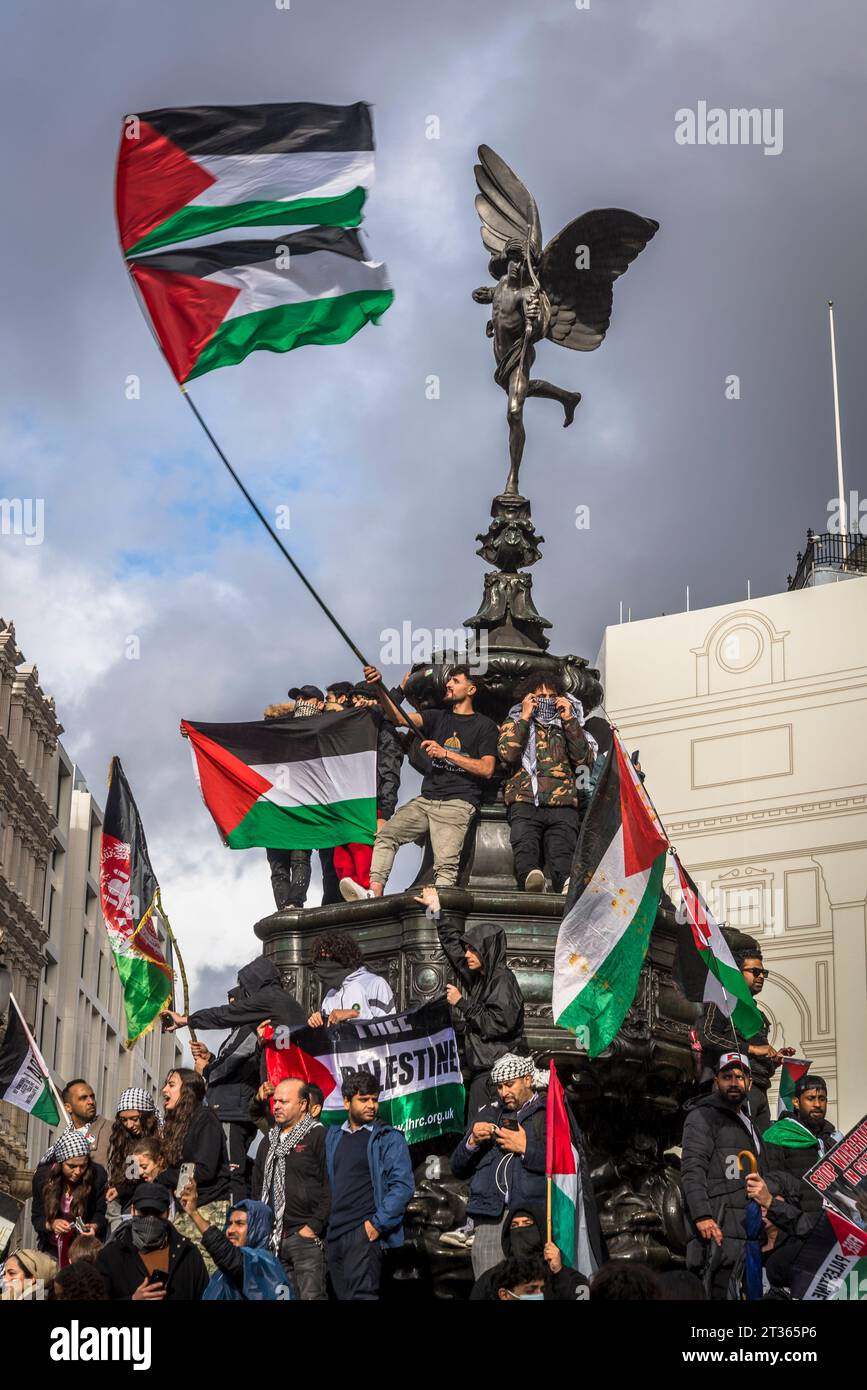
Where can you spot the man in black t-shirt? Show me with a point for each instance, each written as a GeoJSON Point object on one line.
{"type": "Point", "coordinates": [462, 748]}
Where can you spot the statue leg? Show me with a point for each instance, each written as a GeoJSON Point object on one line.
{"type": "Point", "coordinates": [568, 399]}
{"type": "Point", "coordinates": [518, 385]}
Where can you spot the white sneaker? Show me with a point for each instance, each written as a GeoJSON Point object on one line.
{"type": "Point", "coordinates": [352, 891]}
{"type": "Point", "coordinates": [462, 1238]}
{"type": "Point", "coordinates": [565, 889]}
{"type": "Point", "coordinates": [535, 881]}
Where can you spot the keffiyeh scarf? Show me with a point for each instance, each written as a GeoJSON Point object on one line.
{"type": "Point", "coordinates": [528, 757]}
{"type": "Point", "coordinates": [274, 1177]}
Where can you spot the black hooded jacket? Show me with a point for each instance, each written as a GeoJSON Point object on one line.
{"type": "Point", "coordinates": [233, 1075]}
{"type": "Point", "coordinates": [121, 1266]}
{"type": "Point", "coordinates": [530, 1241]}
{"type": "Point", "coordinates": [490, 1013]}
{"type": "Point", "coordinates": [265, 998]}
{"type": "Point", "coordinates": [779, 1159]}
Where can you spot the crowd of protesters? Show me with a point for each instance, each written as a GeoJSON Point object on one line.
{"type": "Point", "coordinates": [178, 1203]}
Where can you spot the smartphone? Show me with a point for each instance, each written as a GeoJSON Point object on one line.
{"type": "Point", "coordinates": [186, 1173]}
{"type": "Point", "coordinates": [158, 1276]}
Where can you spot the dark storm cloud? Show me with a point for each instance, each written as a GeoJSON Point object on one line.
{"type": "Point", "coordinates": [144, 535]}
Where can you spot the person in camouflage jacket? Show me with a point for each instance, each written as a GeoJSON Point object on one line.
{"type": "Point", "coordinates": [544, 742]}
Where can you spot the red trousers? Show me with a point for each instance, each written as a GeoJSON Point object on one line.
{"type": "Point", "coordinates": [353, 861]}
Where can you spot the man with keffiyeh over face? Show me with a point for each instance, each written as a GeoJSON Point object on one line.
{"type": "Point", "coordinates": [290, 1175]}
{"type": "Point", "coordinates": [544, 745]}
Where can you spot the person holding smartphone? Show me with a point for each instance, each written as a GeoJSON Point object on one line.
{"type": "Point", "coordinates": [148, 1260]}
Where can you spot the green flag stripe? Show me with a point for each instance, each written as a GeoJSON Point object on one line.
{"type": "Point", "coordinates": [420, 1115]}
{"type": "Point", "coordinates": [563, 1207]}
{"type": "Point", "coordinates": [45, 1108]}
{"type": "Point", "coordinates": [287, 326]}
{"type": "Point", "coordinates": [306, 827]}
{"type": "Point", "coordinates": [607, 998]}
{"type": "Point", "coordinates": [146, 992]}
{"type": "Point", "coordinates": [192, 221]}
{"type": "Point", "coordinates": [746, 1016]}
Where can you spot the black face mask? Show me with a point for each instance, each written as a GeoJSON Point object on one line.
{"type": "Point", "coordinates": [331, 973]}
{"type": "Point", "coordinates": [524, 1240]}
{"type": "Point", "coordinates": [149, 1232]}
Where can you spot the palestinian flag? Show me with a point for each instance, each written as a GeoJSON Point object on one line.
{"type": "Point", "coordinates": [613, 898]}
{"type": "Point", "coordinates": [568, 1185]}
{"type": "Point", "coordinates": [789, 1133]}
{"type": "Point", "coordinates": [706, 968]}
{"type": "Point", "coordinates": [289, 783]}
{"type": "Point", "coordinates": [130, 898]}
{"type": "Point", "coordinates": [791, 1071]}
{"type": "Point", "coordinates": [24, 1079]}
{"type": "Point", "coordinates": [413, 1055]}
{"type": "Point", "coordinates": [211, 306]}
{"type": "Point", "coordinates": [832, 1263]}
{"type": "Point", "coordinates": [188, 173]}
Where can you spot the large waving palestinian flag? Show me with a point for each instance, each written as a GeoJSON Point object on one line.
{"type": "Point", "coordinates": [213, 305]}
{"type": "Point", "coordinates": [289, 783]}
{"type": "Point", "coordinates": [185, 173]}
{"type": "Point", "coordinates": [195, 185]}
{"type": "Point", "coordinates": [613, 898]}
{"type": "Point", "coordinates": [130, 900]}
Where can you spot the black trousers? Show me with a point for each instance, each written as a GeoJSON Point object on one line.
{"type": "Point", "coordinates": [304, 1262]}
{"type": "Point", "coordinates": [330, 881]}
{"type": "Point", "coordinates": [540, 835]}
{"type": "Point", "coordinates": [239, 1136]}
{"type": "Point", "coordinates": [355, 1266]}
{"type": "Point", "coordinates": [290, 876]}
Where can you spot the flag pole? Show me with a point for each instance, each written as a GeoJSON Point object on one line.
{"type": "Point", "coordinates": [271, 532]}
{"type": "Point", "coordinates": [844, 520]}
{"type": "Point", "coordinates": [173, 939]}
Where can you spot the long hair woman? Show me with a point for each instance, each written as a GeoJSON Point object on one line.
{"type": "Point", "coordinates": [135, 1118]}
{"type": "Point", "coordinates": [69, 1189]}
{"type": "Point", "coordinates": [192, 1134]}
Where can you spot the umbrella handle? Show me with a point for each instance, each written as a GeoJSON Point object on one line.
{"type": "Point", "coordinates": [747, 1159]}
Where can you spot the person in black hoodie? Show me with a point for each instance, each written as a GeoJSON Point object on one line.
{"type": "Point", "coordinates": [265, 999]}
{"type": "Point", "coordinates": [524, 1235]}
{"type": "Point", "coordinates": [192, 1134]}
{"type": "Point", "coordinates": [232, 1077]}
{"type": "Point", "coordinates": [717, 1129]}
{"type": "Point", "coordinates": [148, 1260]}
{"type": "Point", "coordinates": [488, 1009]}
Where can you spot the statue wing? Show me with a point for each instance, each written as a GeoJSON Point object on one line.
{"type": "Point", "coordinates": [581, 300]}
{"type": "Point", "coordinates": [505, 207]}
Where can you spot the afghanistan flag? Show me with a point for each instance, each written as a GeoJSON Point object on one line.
{"type": "Point", "coordinates": [186, 173]}
{"type": "Point", "coordinates": [130, 898]}
{"type": "Point", "coordinates": [568, 1184]}
{"type": "Point", "coordinates": [24, 1077]}
{"type": "Point", "coordinates": [792, 1070]}
{"type": "Point", "coordinates": [289, 783]}
{"type": "Point", "coordinates": [705, 965]}
{"type": "Point", "coordinates": [832, 1263]}
{"type": "Point", "coordinates": [193, 182]}
{"type": "Point", "coordinates": [613, 898]}
{"type": "Point", "coordinates": [413, 1055]}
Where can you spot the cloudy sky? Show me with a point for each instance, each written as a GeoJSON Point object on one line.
{"type": "Point", "coordinates": [145, 536]}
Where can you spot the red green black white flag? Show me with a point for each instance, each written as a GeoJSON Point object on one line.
{"type": "Point", "coordinates": [236, 224]}
{"type": "Point", "coordinates": [706, 969]}
{"type": "Point", "coordinates": [289, 783]}
{"type": "Point", "coordinates": [613, 898]}
{"type": "Point", "coordinates": [130, 900]}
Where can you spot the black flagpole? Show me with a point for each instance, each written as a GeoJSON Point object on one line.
{"type": "Point", "coordinates": [273, 534]}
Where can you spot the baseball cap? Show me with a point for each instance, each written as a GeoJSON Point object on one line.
{"type": "Point", "coordinates": [733, 1059]}
{"type": "Point", "coordinates": [305, 692]}
{"type": "Point", "coordinates": [152, 1197]}
{"type": "Point", "coordinates": [339, 687]}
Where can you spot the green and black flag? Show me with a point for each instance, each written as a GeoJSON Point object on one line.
{"type": "Point", "coordinates": [130, 897]}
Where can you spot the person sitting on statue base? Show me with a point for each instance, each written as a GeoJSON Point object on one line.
{"type": "Point", "coordinates": [544, 742]}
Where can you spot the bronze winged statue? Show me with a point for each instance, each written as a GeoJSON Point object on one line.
{"type": "Point", "coordinates": [563, 292]}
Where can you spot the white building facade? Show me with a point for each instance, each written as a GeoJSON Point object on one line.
{"type": "Point", "coordinates": [751, 722]}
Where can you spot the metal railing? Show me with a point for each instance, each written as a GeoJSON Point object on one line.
{"type": "Point", "coordinates": [830, 550]}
